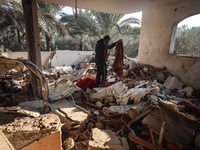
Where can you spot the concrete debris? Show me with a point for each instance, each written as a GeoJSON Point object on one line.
{"type": "Point", "coordinates": [143, 106]}
{"type": "Point", "coordinates": [61, 88]}
{"type": "Point", "coordinates": [90, 125]}
{"type": "Point", "coordinates": [187, 90]}
{"type": "Point", "coordinates": [48, 122]}
{"type": "Point", "coordinates": [87, 65]}
{"type": "Point", "coordinates": [24, 131]}
{"type": "Point", "coordinates": [99, 125]}
{"type": "Point", "coordinates": [71, 116]}
{"type": "Point", "coordinates": [68, 143]}
{"type": "Point", "coordinates": [98, 140]}
{"type": "Point", "coordinates": [172, 83]}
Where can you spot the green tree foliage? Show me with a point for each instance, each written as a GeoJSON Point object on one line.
{"type": "Point", "coordinates": [12, 26]}
{"type": "Point", "coordinates": [91, 26]}
{"type": "Point", "coordinates": [12, 35]}
{"type": "Point", "coordinates": [69, 33]}
{"type": "Point", "coordinates": [187, 41]}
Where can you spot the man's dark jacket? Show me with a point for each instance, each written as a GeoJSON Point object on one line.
{"type": "Point", "coordinates": [101, 50]}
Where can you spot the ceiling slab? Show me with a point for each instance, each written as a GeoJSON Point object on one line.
{"type": "Point", "coordinates": [114, 6]}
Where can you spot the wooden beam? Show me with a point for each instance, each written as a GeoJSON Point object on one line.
{"type": "Point", "coordinates": [32, 31]}
{"type": "Point", "coordinates": [32, 39]}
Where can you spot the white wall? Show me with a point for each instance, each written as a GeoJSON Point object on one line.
{"type": "Point", "coordinates": [155, 41]}
{"type": "Point", "coordinates": [24, 55]}
{"type": "Point", "coordinates": [62, 57]}
{"type": "Point", "coordinates": [67, 57]}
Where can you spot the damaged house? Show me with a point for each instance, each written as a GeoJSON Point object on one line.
{"type": "Point", "coordinates": [153, 104]}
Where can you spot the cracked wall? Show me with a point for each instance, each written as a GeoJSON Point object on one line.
{"type": "Point", "coordinates": [155, 39]}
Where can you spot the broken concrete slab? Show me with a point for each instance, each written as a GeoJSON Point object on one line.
{"type": "Point", "coordinates": [104, 135]}
{"type": "Point", "coordinates": [26, 130]}
{"type": "Point", "coordinates": [75, 114]}
{"type": "Point", "coordinates": [67, 123]}
{"type": "Point", "coordinates": [4, 143]}
{"type": "Point", "coordinates": [48, 122]}
{"type": "Point", "coordinates": [70, 114]}
{"type": "Point", "coordinates": [173, 82]}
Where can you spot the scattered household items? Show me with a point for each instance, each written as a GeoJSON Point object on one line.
{"type": "Point", "coordinates": [143, 107]}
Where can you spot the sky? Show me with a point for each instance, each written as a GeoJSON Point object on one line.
{"type": "Point", "coordinates": [192, 21]}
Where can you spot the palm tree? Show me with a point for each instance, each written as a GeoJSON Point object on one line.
{"type": "Point", "coordinates": [96, 24]}
{"type": "Point", "coordinates": [81, 28]}
{"type": "Point", "coordinates": [11, 18]}
{"type": "Point", "coordinates": [48, 24]}
{"type": "Point", "coordinates": [11, 15]}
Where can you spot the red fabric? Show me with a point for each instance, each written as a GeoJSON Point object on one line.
{"type": "Point", "coordinates": [118, 63]}
{"type": "Point", "coordinates": [89, 83]}
{"type": "Point", "coordinates": [105, 52]}
{"type": "Point", "coordinates": [190, 107]}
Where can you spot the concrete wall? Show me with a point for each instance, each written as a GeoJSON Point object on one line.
{"type": "Point", "coordinates": [67, 57]}
{"type": "Point", "coordinates": [24, 55]}
{"type": "Point", "coordinates": [155, 40]}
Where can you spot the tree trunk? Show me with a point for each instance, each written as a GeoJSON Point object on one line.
{"type": "Point", "coordinates": [48, 43]}
{"type": "Point", "coordinates": [19, 35]}
{"type": "Point", "coordinates": [4, 44]}
{"type": "Point", "coordinates": [81, 45]}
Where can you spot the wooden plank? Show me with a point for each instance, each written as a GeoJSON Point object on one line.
{"type": "Point", "coordinates": [152, 138]}
{"type": "Point", "coordinates": [142, 142]}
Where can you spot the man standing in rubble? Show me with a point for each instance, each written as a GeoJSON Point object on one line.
{"type": "Point", "coordinates": [100, 58]}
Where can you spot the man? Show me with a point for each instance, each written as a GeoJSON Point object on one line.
{"type": "Point", "coordinates": [100, 58]}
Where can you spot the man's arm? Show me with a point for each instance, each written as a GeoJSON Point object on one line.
{"type": "Point", "coordinates": [113, 44]}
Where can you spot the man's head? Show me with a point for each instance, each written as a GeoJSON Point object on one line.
{"type": "Point", "coordinates": [106, 39]}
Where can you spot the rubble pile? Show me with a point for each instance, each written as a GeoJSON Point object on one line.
{"type": "Point", "coordinates": [15, 88]}
{"type": "Point", "coordinates": [24, 131]}
{"type": "Point", "coordinates": [148, 108]}
{"type": "Point", "coordinates": [150, 73]}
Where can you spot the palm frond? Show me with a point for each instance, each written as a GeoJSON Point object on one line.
{"type": "Point", "coordinates": [131, 20]}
